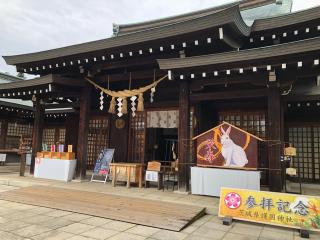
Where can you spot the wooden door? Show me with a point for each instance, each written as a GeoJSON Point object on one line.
{"type": "Point", "coordinates": [137, 135]}
{"type": "Point", "coordinates": [98, 138]}
{"type": "Point", "coordinates": [307, 141]}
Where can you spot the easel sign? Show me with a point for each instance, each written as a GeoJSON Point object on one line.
{"type": "Point", "coordinates": [273, 208]}
{"type": "Point", "coordinates": [102, 166]}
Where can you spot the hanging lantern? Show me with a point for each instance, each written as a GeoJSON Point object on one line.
{"type": "Point", "coordinates": [119, 104]}
{"type": "Point", "coordinates": [112, 108]}
{"type": "Point", "coordinates": [133, 105]}
{"type": "Point", "coordinates": [101, 100]}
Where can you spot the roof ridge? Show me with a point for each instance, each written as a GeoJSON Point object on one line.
{"type": "Point", "coordinates": [290, 13]}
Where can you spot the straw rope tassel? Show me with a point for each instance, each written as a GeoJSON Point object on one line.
{"type": "Point", "coordinates": [124, 106]}
{"type": "Point", "coordinates": [112, 108]}
{"type": "Point", "coordinates": [140, 107]}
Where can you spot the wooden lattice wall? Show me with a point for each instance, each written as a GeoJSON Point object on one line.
{"type": "Point", "coordinates": [98, 138]}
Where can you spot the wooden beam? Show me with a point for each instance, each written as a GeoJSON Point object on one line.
{"type": "Point", "coordinates": [4, 130]}
{"type": "Point", "coordinates": [195, 97]}
{"type": "Point", "coordinates": [37, 131]}
{"type": "Point", "coordinates": [184, 137]}
{"type": "Point", "coordinates": [83, 130]}
{"type": "Point", "coordinates": [274, 138]}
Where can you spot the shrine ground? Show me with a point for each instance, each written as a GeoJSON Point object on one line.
{"type": "Point", "coordinates": [21, 221]}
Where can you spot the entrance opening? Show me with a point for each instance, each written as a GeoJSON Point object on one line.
{"type": "Point", "coordinates": [162, 136]}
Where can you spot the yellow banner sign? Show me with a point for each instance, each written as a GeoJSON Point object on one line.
{"type": "Point", "coordinates": [282, 209]}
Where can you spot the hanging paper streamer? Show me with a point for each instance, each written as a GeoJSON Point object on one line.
{"type": "Point", "coordinates": [101, 100]}
{"type": "Point", "coordinates": [112, 108]}
{"type": "Point", "coordinates": [119, 104]}
{"type": "Point", "coordinates": [153, 90]}
{"type": "Point", "coordinates": [124, 106]}
{"type": "Point", "coordinates": [128, 93]}
{"type": "Point", "coordinates": [140, 107]}
{"type": "Point", "coordinates": [133, 105]}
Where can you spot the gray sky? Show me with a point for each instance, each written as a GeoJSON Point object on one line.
{"type": "Point", "coordinates": [35, 25]}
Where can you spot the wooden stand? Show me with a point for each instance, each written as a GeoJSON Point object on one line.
{"type": "Point", "coordinates": [227, 220]}
{"type": "Point", "coordinates": [304, 233]}
{"type": "Point", "coordinates": [132, 172]}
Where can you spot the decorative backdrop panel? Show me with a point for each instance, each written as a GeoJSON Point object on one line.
{"type": "Point", "coordinates": [163, 119]}
{"type": "Point", "coordinates": [227, 146]}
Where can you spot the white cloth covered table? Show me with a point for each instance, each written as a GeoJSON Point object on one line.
{"type": "Point", "coordinates": [208, 181]}
{"type": "Point", "coordinates": [56, 169]}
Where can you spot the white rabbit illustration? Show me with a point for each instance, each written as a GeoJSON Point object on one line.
{"type": "Point", "coordinates": [233, 154]}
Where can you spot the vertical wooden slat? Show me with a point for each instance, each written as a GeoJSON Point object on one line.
{"type": "Point", "coordinates": [82, 147]}
{"type": "Point", "coordinates": [37, 131]}
{"type": "Point", "coordinates": [274, 137]}
{"type": "Point", "coordinates": [183, 137]}
{"type": "Point", "coordinates": [4, 130]}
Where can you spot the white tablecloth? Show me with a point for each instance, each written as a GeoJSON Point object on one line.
{"type": "Point", "coordinates": [55, 169]}
{"type": "Point", "coordinates": [208, 181]}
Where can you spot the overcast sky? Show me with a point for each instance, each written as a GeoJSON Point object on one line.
{"type": "Point", "coordinates": [35, 25]}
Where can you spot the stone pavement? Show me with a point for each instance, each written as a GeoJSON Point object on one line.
{"type": "Point", "coordinates": [21, 221]}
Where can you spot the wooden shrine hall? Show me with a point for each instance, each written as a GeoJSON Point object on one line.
{"type": "Point", "coordinates": [151, 87]}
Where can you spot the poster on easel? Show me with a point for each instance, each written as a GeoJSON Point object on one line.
{"type": "Point", "coordinates": [102, 166]}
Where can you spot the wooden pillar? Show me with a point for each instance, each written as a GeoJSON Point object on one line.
{"type": "Point", "coordinates": [274, 137]}
{"type": "Point", "coordinates": [72, 128]}
{"type": "Point", "coordinates": [4, 130]}
{"type": "Point", "coordinates": [37, 131]}
{"type": "Point", "coordinates": [83, 130]}
{"type": "Point", "coordinates": [183, 137]}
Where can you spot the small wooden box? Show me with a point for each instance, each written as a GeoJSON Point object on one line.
{"type": "Point", "coordinates": [40, 154]}
{"type": "Point", "coordinates": [47, 154]}
{"type": "Point", "coordinates": [56, 155]}
{"type": "Point", "coordinates": [68, 155]}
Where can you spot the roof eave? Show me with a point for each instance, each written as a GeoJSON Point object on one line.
{"type": "Point", "coordinates": [230, 16]}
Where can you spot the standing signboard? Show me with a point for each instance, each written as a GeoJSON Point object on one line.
{"type": "Point", "coordinates": [281, 209]}
{"type": "Point", "coordinates": [102, 166]}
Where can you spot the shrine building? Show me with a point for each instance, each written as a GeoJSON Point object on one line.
{"type": "Point", "coordinates": [251, 63]}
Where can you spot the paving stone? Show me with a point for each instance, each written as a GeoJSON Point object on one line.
{"type": "Point", "coordinates": [9, 236]}
{"type": "Point", "coordinates": [99, 233]}
{"type": "Point", "coordinates": [76, 217]}
{"type": "Point", "coordinates": [276, 235]}
{"type": "Point", "coordinates": [3, 220]}
{"type": "Point", "coordinates": [58, 213]}
{"type": "Point", "coordinates": [96, 221]}
{"type": "Point", "coordinates": [20, 215]}
{"type": "Point", "coordinates": [76, 228]}
{"type": "Point", "coordinates": [13, 225]}
{"type": "Point", "coordinates": [56, 223]}
{"type": "Point", "coordinates": [189, 229]}
{"type": "Point", "coordinates": [209, 233]}
{"type": "Point", "coordinates": [218, 226]}
{"type": "Point", "coordinates": [127, 236]}
{"type": "Point", "coordinates": [78, 237]}
{"type": "Point", "coordinates": [247, 229]}
{"type": "Point", "coordinates": [53, 235]}
{"type": "Point", "coordinates": [37, 219]}
{"type": "Point", "coordinates": [118, 226]}
{"type": "Point", "coordinates": [237, 236]}
{"type": "Point", "coordinates": [32, 230]}
{"type": "Point", "coordinates": [165, 234]}
{"type": "Point", "coordinates": [143, 230]}
{"type": "Point", "coordinates": [197, 237]}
